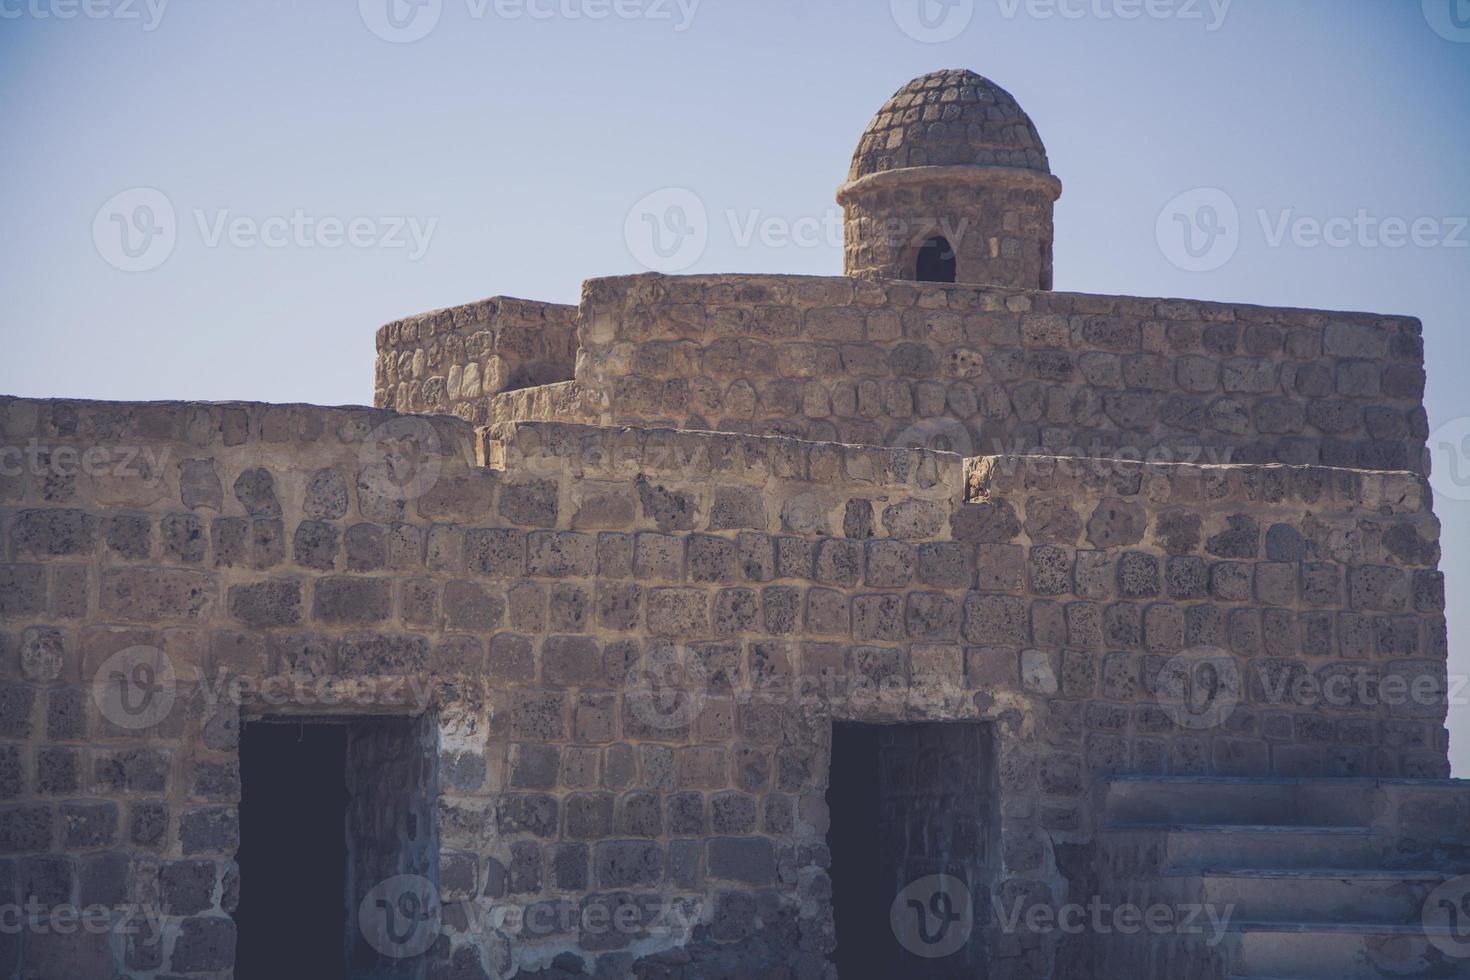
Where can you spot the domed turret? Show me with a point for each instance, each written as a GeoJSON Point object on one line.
{"type": "Point", "coordinates": [950, 183]}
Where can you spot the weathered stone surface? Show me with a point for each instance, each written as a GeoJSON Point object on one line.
{"type": "Point", "coordinates": [636, 674]}
{"type": "Point", "coordinates": [346, 599]}
{"type": "Point", "coordinates": [54, 532]}
{"type": "Point", "coordinates": [157, 594]}
{"type": "Point", "coordinates": [534, 504]}
{"type": "Point", "coordinates": [255, 489]}
{"type": "Point", "coordinates": [751, 860]}
{"type": "Point", "coordinates": [1116, 522]}
{"type": "Point", "coordinates": [199, 485]}
{"type": "Point", "coordinates": [269, 603]}
{"type": "Point", "coordinates": [628, 863]}
{"type": "Point", "coordinates": [204, 943]}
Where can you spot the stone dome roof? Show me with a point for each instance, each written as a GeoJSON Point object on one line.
{"type": "Point", "coordinates": [946, 119]}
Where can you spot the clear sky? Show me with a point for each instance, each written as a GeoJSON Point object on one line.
{"type": "Point", "coordinates": [328, 172]}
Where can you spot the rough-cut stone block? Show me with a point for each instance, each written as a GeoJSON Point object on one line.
{"type": "Point", "coordinates": [628, 863]}
{"type": "Point", "coordinates": [151, 594]}
{"type": "Point", "coordinates": [677, 612]}
{"type": "Point", "coordinates": [348, 599]}
{"type": "Point", "coordinates": [275, 602]}
{"type": "Point", "coordinates": [750, 860]}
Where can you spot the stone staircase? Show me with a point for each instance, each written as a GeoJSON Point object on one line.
{"type": "Point", "coordinates": [1308, 879]}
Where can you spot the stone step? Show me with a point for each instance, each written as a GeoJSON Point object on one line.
{"type": "Point", "coordinates": [1221, 800]}
{"type": "Point", "coordinates": [1210, 846]}
{"type": "Point", "coordinates": [1336, 895]}
{"type": "Point", "coordinates": [1345, 951]}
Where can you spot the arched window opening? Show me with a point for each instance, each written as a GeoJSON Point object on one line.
{"type": "Point", "coordinates": [936, 262]}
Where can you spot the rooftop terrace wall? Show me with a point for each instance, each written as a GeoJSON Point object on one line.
{"type": "Point", "coordinates": [991, 370]}
{"type": "Point", "coordinates": [451, 361]}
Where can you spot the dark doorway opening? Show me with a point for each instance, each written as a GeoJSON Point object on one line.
{"type": "Point", "coordinates": [912, 810]}
{"type": "Point", "coordinates": [936, 262]}
{"type": "Point", "coordinates": [333, 812]}
{"type": "Point", "coordinates": [293, 852]}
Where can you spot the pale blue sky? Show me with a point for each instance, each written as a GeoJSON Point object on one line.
{"type": "Point", "coordinates": [518, 144]}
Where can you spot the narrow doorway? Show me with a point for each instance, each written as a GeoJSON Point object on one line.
{"type": "Point", "coordinates": [912, 810]}
{"type": "Point", "coordinates": [337, 832]}
{"type": "Point", "coordinates": [293, 852]}
{"type": "Point", "coordinates": [936, 261]}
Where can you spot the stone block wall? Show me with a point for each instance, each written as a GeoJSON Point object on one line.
{"type": "Point", "coordinates": [634, 642]}
{"type": "Point", "coordinates": [1217, 620]}
{"type": "Point", "coordinates": [982, 371]}
{"type": "Point", "coordinates": [997, 220]}
{"type": "Point", "coordinates": [451, 361]}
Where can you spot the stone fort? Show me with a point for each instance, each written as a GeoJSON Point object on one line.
{"type": "Point", "coordinates": [918, 622]}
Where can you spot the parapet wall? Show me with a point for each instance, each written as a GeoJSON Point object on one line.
{"type": "Point", "coordinates": [990, 370]}
{"type": "Point", "coordinates": [524, 607]}
{"type": "Point", "coordinates": [452, 361]}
